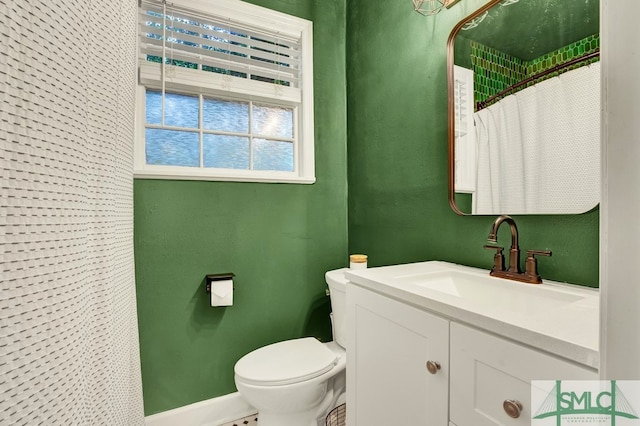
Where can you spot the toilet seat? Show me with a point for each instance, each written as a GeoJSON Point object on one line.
{"type": "Point", "coordinates": [287, 362]}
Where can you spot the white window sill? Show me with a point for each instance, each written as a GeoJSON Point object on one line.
{"type": "Point", "coordinates": [227, 176]}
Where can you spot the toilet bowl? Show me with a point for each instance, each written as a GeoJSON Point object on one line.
{"type": "Point", "coordinates": [298, 381]}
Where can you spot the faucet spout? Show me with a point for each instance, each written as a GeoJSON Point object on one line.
{"type": "Point", "coordinates": [493, 232]}
{"type": "Point", "coordinates": [514, 272]}
{"type": "Point", "coordinates": [514, 250]}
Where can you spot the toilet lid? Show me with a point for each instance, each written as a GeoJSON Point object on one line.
{"type": "Point", "coordinates": [287, 362]}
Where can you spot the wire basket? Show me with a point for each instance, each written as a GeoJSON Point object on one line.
{"type": "Point", "coordinates": [337, 416]}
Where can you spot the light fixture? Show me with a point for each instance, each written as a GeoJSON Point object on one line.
{"type": "Point", "coordinates": [474, 22]}
{"type": "Point", "coordinates": [432, 7]}
{"type": "Point", "coordinates": [478, 19]}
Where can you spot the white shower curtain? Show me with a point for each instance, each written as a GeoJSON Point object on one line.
{"type": "Point", "coordinates": [539, 149]}
{"type": "Point", "coordinates": [68, 327]}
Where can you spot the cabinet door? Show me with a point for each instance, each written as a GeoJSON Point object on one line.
{"type": "Point", "coordinates": [388, 346]}
{"type": "Point", "coordinates": [487, 370]}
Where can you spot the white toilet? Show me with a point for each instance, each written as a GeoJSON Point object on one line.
{"type": "Point", "coordinates": [298, 381]}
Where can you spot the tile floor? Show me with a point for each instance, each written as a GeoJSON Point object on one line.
{"type": "Point", "coordinates": [248, 420]}
{"type": "Point", "coordinates": [336, 417]}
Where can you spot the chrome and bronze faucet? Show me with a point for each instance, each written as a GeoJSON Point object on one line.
{"type": "Point", "coordinates": [530, 275]}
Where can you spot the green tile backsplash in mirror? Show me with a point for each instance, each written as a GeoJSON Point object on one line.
{"type": "Point", "coordinates": [495, 70]}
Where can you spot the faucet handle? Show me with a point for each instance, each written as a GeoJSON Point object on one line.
{"type": "Point", "coordinates": [498, 258]}
{"type": "Point", "coordinates": [531, 264]}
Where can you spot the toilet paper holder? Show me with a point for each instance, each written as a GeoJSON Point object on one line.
{"type": "Point", "coordinates": [216, 277]}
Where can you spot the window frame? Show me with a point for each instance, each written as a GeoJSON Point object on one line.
{"type": "Point", "coordinates": [240, 90]}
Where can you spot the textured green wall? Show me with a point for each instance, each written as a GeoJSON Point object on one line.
{"type": "Point", "coordinates": [279, 239]}
{"type": "Point", "coordinates": [397, 162]}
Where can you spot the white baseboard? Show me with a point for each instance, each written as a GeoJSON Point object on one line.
{"type": "Point", "coordinates": [211, 412]}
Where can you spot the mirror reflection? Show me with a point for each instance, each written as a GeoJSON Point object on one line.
{"type": "Point", "coordinates": [524, 108]}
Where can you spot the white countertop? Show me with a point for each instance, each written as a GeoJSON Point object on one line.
{"type": "Point", "coordinates": [558, 318]}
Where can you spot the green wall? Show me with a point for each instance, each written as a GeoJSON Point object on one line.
{"type": "Point", "coordinates": [397, 153]}
{"type": "Point", "coordinates": [279, 239]}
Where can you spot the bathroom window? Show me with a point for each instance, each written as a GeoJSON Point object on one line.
{"type": "Point", "coordinates": [225, 93]}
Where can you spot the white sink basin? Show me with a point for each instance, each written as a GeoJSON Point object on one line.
{"type": "Point", "coordinates": [562, 318]}
{"type": "Point", "coordinates": [487, 290]}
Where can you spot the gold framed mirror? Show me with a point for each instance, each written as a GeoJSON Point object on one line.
{"type": "Point", "coordinates": [524, 108]}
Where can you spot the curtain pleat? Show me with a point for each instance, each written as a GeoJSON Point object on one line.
{"type": "Point", "coordinates": [68, 326]}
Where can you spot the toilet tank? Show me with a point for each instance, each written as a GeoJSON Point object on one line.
{"type": "Point", "coordinates": [337, 289]}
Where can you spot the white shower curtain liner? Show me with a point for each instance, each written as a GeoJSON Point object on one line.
{"type": "Point", "coordinates": [68, 326]}
{"type": "Point", "coordinates": [539, 149]}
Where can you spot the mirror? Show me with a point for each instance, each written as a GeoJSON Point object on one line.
{"type": "Point", "coordinates": [524, 108]}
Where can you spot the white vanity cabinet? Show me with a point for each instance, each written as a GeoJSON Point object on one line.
{"type": "Point", "coordinates": [388, 380]}
{"type": "Point", "coordinates": [488, 372]}
{"type": "Point", "coordinates": [389, 344]}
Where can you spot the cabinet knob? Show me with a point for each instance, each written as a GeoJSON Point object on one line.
{"type": "Point", "coordinates": [512, 408]}
{"type": "Point", "coordinates": [433, 366]}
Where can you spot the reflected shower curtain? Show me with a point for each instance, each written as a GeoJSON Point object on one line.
{"type": "Point", "coordinates": [538, 148]}
{"type": "Point", "coordinates": [68, 328]}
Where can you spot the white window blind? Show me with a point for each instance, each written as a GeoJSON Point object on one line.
{"type": "Point", "coordinates": [465, 141]}
{"type": "Point", "coordinates": [216, 53]}
{"type": "Point", "coordinates": [230, 55]}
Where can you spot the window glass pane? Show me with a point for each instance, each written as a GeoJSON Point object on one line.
{"type": "Point", "coordinates": [272, 155]}
{"type": "Point", "coordinates": [273, 121]}
{"type": "Point", "coordinates": [226, 152]}
{"type": "Point", "coordinates": [153, 108]}
{"type": "Point", "coordinates": [227, 116]}
{"type": "Point", "coordinates": [179, 110]}
{"type": "Point", "coordinates": [172, 148]}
